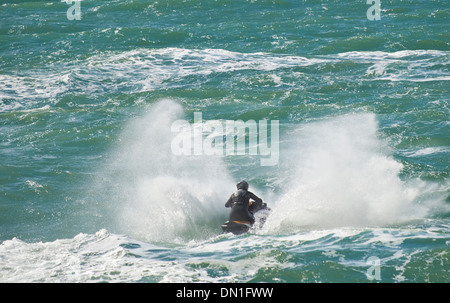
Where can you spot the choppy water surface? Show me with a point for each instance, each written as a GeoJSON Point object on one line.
{"type": "Point", "coordinates": [91, 190]}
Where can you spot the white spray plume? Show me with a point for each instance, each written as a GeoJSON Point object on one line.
{"type": "Point", "coordinates": [342, 174]}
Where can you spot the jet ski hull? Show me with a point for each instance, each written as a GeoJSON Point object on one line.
{"type": "Point", "coordinates": [260, 212]}
{"type": "Point", "coordinates": [235, 228]}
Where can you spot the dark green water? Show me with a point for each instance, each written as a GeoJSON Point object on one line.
{"type": "Point", "coordinates": [88, 175]}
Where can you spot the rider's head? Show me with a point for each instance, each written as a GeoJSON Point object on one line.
{"type": "Point", "coordinates": [242, 185]}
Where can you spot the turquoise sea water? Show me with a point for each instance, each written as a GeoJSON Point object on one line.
{"type": "Point", "coordinates": [91, 190]}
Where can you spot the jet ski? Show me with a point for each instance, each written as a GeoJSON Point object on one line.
{"type": "Point", "coordinates": [260, 212]}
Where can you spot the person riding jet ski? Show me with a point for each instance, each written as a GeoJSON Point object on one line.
{"type": "Point", "coordinates": [241, 215]}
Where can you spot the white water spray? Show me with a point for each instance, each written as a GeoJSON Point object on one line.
{"type": "Point", "coordinates": [159, 196]}
{"type": "Point", "coordinates": [341, 174]}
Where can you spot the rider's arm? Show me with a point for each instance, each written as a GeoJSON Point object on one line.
{"type": "Point", "coordinates": [230, 200]}
{"type": "Point", "coordinates": [256, 198]}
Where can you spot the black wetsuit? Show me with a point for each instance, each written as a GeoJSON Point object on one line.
{"type": "Point", "coordinates": [239, 205]}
